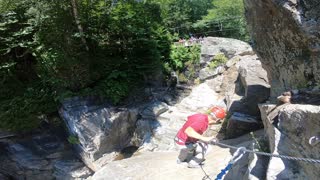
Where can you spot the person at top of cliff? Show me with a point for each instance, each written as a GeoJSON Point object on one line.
{"type": "Point", "coordinates": [189, 140]}
{"type": "Point", "coordinates": [285, 97]}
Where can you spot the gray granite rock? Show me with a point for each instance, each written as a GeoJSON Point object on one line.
{"type": "Point", "coordinates": [99, 128]}
{"type": "Point", "coordinates": [289, 133]}
{"type": "Point", "coordinates": [285, 35]}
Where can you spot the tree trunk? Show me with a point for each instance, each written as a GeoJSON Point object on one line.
{"type": "Point", "coordinates": [77, 19]}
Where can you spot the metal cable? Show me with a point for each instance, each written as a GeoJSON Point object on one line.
{"type": "Point", "coordinates": [310, 160]}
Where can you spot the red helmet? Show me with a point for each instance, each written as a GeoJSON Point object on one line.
{"type": "Point", "coordinates": [218, 112]}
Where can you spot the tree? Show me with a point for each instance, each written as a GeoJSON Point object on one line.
{"type": "Point", "coordinates": [179, 15]}
{"type": "Point", "coordinates": [50, 50]}
{"type": "Point", "coordinates": [77, 19]}
{"type": "Point", "coordinates": [225, 19]}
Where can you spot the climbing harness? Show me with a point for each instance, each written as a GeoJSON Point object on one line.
{"type": "Point", "coordinates": [240, 151]}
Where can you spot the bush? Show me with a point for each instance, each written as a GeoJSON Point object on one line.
{"type": "Point", "coordinates": [218, 60]}
{"type": "Point", "coordinates": [225, 19]}
{"type": "Point", "coordinates": [114, 87]}
{"type": "Point", "coordinates": [185, 61]}
{"type": "Point", "coordinates": [21, 113]}
{"type": "Point", "coordinates": [73, 139]}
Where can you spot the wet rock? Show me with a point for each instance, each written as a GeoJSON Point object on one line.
{"type": "Point", "coordinates": [47, 143]}
{"type": "Point", "coordinates": [27, 159]}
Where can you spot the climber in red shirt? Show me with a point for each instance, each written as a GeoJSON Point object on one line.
{"type": "Point", "coordinates": [189, 139]}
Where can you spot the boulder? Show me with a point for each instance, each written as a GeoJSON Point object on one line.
{"type": "Point", "coordinates": [255, 82]}
{"type": "Point", "coordinates": [27, 158]}
{"type": "Point", "coordinates": [240, 124]}
{"type": "Point", "coordinates": [250, 167]}
{"type": "Point", "coordinates": [212, 46]}
{"type": "Point", "coordinates": [207, 73]}
{"type": "Point", "coordinates": [153, 110]}
{"type": "Point", "coordinates": [243, 83]}
{"type": "Point", "coordinates": [34, 157]}
{"type": "Point", "coordinates": [157, 133]}
{"type": "Point", "coordinates": [98, 128]}
{"type": "Point", "coordinates": [289, 133]}
{"type": "Point", "coordinates": [200, 99]}
{"type": "Point", "coordinates": [285, 34]}
{"type": "Point", "coordinates": [9, 168]}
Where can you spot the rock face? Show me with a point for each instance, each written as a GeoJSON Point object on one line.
{"type": "Point", "coordinates": [100, 129]}
{"type": "Point", "coordinates": [156, 133]}
{"type": "Point", "coordinates": [254, 80]}
{"type": "Point", "coordinates": [291, 132]}
{"type": "Point", "coordinates": [39, 157]}
{"type": "Point", "coordinates": [159, 122]}
{"type": "Point", "coordinates": [286, 36]}
{"type": "Point", "coordinates": [103, 131]}
{"type": "Point", "coordinates": [239, 124]}
{"type": "Point", "coordinates": [162, 165]}
{"type": "Point", "coordinates": [242, 82]}
{"type": "Point", "coordinates": [230, 47]}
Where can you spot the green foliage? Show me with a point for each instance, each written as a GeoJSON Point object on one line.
{"type": "Point", "coordinates": [225, 19]}
{"type": "Point", "coordinates": [115, 86]}
{"type": "Point", "coordinates": [21, 112]}
{"type": "Point", "coordinates": [218, 60]}
{"type": "Point", "coordinates": [73, 139]}
{"type": "Point", "coordinates": [23, 97]}
{"type": "Point", "coordinates": [184, 60]}
{"type": "Point", "coordinates": [181, 56]}
{"type": "Point", "coordinates": [262, 143]}
{"type": "Point", "coordinates": [197, 81]}
{"type": "Point", "coordinates": [179, 15]}
{"type": "Point", "coordinates": [302, 84]}
{"type": "Point", "coordinates": [44, 60]}
{"type": "Point", "coordinates": [46, 55]}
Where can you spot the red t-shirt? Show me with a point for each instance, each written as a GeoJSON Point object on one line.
{"type": "Point", "coordinates": [198, 122]}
